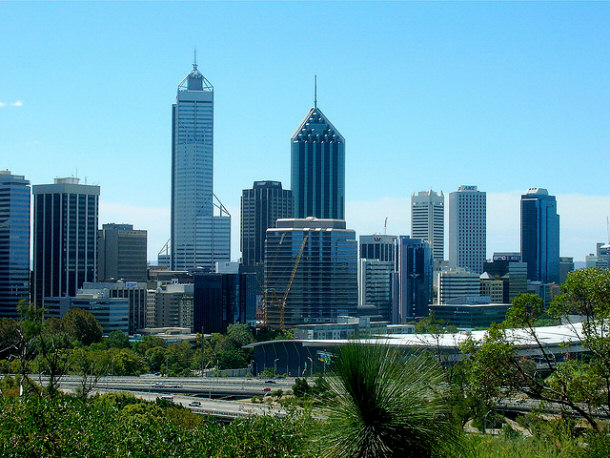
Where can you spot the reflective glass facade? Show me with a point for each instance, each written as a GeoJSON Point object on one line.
{"type": "Point", "coordinates": [65, 237]}
{"type": "Point", "coordinates": [199, 238]}
{"type": "Point", "coordinates": [14, 242]}
{"type": "Point", "coordinates": [540, 235]}
{"type": "Point", "coordinates": [318, 168]}
{"type": "Point", "coordinates": [325, 283]}
{"type": "Point", "coordinates": [415, 267]}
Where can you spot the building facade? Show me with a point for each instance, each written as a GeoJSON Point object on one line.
{"type": "Point", "coordinates": [428, 221]}
{"type": "Point", "coordinates": [121, 253]}
{"type": "Point", "coordinates": [457, 284]}
{"type": "Point", "coordinates": [415, 267]}
{"type": "Point", "coordinates": [507, 268]}
{"type": "Point", "coordinates": [223, 299]}
{"type": "Point", "coordinates": [318, 168]}
{"type": "Point", "coordinates": [199, 237]}
{"type": "Point", "coordinates": [540, 235]}
{"type": "Point", "coordinates": [377, 273]}
{"type": "Point", "coordinates": [14, 243]}
{"type": "Point", "coordinates": [261, 207]}
{"type": "Point", "coordinates": [65, 237]}
{"type": "Point", "coordinates": [467, 229]}
{"type": "Point", "coordinates": [311, 272]}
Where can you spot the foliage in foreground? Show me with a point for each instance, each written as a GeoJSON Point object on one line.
{"type": "Point", "coordinates": [120, 425]}
{"type": "Point", "coordinates": [387, 406]}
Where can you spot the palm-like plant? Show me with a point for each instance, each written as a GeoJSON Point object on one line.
{"type": "Point", "coordinates": [387, 405]}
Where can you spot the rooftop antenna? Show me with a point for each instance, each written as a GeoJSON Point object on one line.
{"type": "Point", "coordinates": [195, 58]}
{"type": "Point", "coordinates": [385, 226]}
{"type": "Point", "coordinates": [315, 91]}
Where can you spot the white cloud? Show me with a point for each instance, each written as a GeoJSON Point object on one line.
{"type": "Point", "coordinates": [2, 104]}
{"type": "Point", "coordinates": [17, 103]}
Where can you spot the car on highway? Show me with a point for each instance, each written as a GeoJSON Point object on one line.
{"type": "Point", "coordinates": [195, 404]}
{"type": "Point", "coordinates": [266, 389]}
{"type": "Point", "coordinates": [167, 398]}
{"type": "Point", "coordinates": [269, 381]}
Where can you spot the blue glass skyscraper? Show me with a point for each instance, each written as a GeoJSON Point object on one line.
{"type": "Point", "coordinates": [14, 242]}
{"type": "Point", "coordinates": [318, 168]}
{"type": "Point", "coordinates": [415, 267]}
{"type": "Point", "coordinates": [199, 238]}
{"type": "Point", "coordinates": [540, 235]}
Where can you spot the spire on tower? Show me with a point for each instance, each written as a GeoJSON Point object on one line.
{"type": "Point", "coordinates": [195, 59]}
{"type": "Point", "coordinates": [315, 91]}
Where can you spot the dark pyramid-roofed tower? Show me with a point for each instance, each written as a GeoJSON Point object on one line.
{"type": "Point", "coordinates": [318, 168]}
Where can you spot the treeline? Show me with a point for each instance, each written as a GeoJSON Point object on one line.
{"type": "Point", "coordinates": [75, 344]}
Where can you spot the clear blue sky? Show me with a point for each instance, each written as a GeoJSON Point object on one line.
{"type": "Point", "coordinates": [501, 95]}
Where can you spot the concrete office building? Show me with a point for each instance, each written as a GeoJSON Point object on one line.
{"type": "Point", "coordinates": [223, 299]}
{"type": "Point", "coordinates": [492, 288]}
{"type": "Point", "coordinates": [173, 306]}
{"type": "Point", "coordinates": [65, 237]}
{"type": "Point", "coordinates": [313, 263]}
{"type": "Point", "coordinates": [14, 242]}
{"type": "Point", "coordinates": [415, 267]}
{"type": "Point", "coordinates": [467, 229]}
{"type": "Point", "coordinates": [199, 238]}
{"type": "Point", "coordinates": [457, 284]}
{"type": "Point", "coordinates": [261, 207]}
{"type": "Point", "coordinates": [428, 221]}
{"type": "Point", "coordinates": [135, 292]}
{"type": "Point", "coordinates": [377, 273]}
{"type": "Point", "coordinates": [121, 253]}
{"type": "Point", "coordinates": [111, 313]}
{"type": "Point", "coordinates": [540, 235]}
{"type": "Point", "coordinates": [318, 168]}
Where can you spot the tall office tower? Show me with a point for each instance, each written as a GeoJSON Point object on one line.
{"type": "Point", "coordinates": [318, 168]}
{"type": "Point", "coordinates": [566, 265]}
{"type": "Point", "coordinates": [261, 207]}
{"type": "Point", "coordinates": [65, 237]}
{"type": "Point", "coordinates": [121, 253]}
{"type": "Point", "coordinates": [415, 267]}
{"type": "Point", "coordinates": [311, 272]}
{"type": "Point", "coordinates": [14, 242]}
{"type": "Point", "coordinates": [376, 277]}
{"type": "Point", "coordinates": [508, 268]}
{"type": "Point", "coordinates": [428, 220]}
{"type": "Point", "coordinates": [467, 229]}
{"type": "Point", "coordinates": [199, 238]}
{"type": "Point", "coordinates": [540, 235]}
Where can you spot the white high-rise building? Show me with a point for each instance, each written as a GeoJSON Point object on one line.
{"type": "Point", "coordinates": [428, 220]}
{"type": "Point", "coordinates": [199, 238]}
{"type": "Point", "coordinates": [467, 228]}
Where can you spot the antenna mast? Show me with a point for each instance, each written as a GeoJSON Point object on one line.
{"type": "Point", "coordinates": [315, 91]}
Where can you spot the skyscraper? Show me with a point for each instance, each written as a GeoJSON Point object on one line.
{"type": "Point", "coordinates": [261, 207]}
{"type": "Point", "coordinates": [199, 238]}
{"type": "Point", "coordinates": [428, 220]}
{"type": "Point", "coordinates": [318, 168]}
{"type": "Point", "coordinates": [377, 273]}
{"type": "Point", "coordinates": [415, 267]}
{"type": "Point", "coordinates": [540, 235]}
{"type": "Point", "coordinates": [65, 237]}
{"type": "Point", "coordinates": [313, 264]}
{"type": "Point", "coordinates": [121, 253]}
{"type": "Point", "coordinates": [467, 229]}
{"type": "Point", "coordinates": [14, 242]}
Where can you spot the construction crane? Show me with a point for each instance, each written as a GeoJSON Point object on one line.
{"type": "Point", "coordinates": [271, 297]}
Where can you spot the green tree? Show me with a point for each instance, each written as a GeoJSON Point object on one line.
{"type": "Point", "coordinates": [155, 357]}
{"type": "Point", "coordinates": [387, 406]}
{"type": "Point", "coordinates": [232, 359]}
{"type": "Point", "coordinates": [82, 325]}
{"type": "Point", "coordinates": [238, 335]}
{"type": "Point", "coordinates": [117, 339]}
{"type": "Point", "coordinates": [147, 343]}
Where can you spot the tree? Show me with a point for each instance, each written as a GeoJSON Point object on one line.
{"type": "Point", "coordinates": [82, 325]}
{"type": "Point", "coordinates": [85, 364]}
{"type": "Point", "coordinates": [117, 339]}
{"type": "Point", "coordinates": [387, 405]}
{"type": "Point", "coordinates": [238, 335]}
{"type": "Point", "coordinates": [582, 385]}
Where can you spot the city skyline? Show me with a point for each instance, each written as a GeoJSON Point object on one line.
{"type": "Point", "coordinates": [501, 97]}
